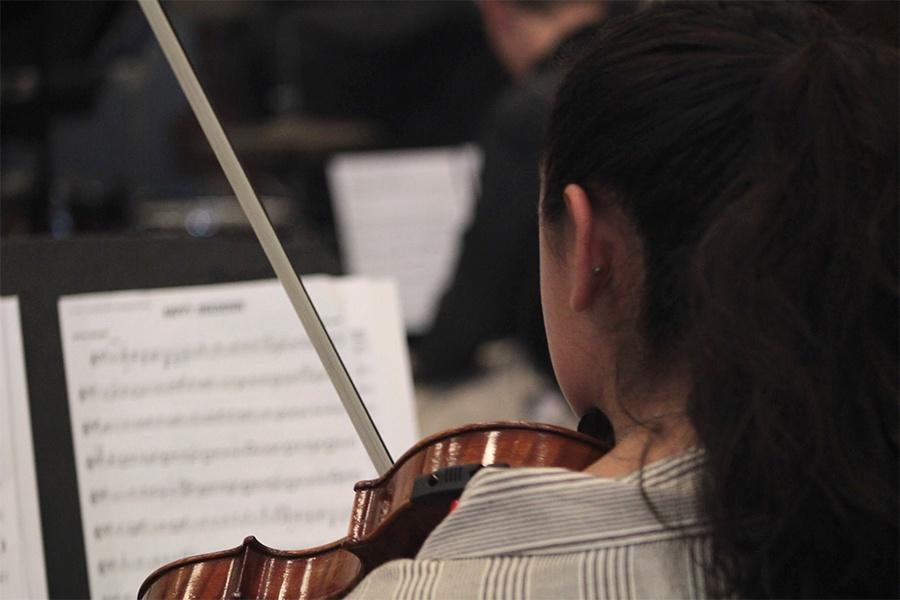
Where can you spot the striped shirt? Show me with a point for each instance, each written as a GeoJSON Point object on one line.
{"type": "Point", "coordinates": [554, 533]}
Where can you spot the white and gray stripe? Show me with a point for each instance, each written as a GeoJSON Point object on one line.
{"type": "Point", "coordinates": [552, 533]}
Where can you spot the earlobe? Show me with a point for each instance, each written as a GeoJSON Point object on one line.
{"type": "Point", "coordinates": [589, 266]}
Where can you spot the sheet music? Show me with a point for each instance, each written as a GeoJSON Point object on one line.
{"type": "Point", "coordinates": [202, 415]}
{"type": "Point", "coordinates": [22, 572]}
{"type": "Point", "coordinates": [401, 214]}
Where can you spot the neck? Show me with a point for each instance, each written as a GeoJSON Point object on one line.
{"type": "Point", "coordinates": [649, 425]}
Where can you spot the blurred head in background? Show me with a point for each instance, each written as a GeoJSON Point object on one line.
{"type": "Point", "coordinates": [523, 33]}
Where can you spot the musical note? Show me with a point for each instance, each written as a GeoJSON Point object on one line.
{"type": "Point", "coordinates": [202, 415]}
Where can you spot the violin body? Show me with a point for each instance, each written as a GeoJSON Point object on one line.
{"type": "Point", "coordinates": [386, 523]}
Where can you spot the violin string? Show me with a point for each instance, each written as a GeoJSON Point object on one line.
{"type": "Point", "coordinates": [262, 227]}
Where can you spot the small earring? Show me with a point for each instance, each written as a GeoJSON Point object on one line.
{"type": "Point", "coordinates": [597, 270]}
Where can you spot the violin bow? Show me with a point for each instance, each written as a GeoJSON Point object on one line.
{"type": "Point", "coordinates": [262, 227]}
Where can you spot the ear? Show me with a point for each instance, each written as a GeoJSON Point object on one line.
{"type": "Point", "coordinates": [590, 261]}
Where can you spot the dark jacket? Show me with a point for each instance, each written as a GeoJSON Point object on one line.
{"type": "Point", "coordinates": [495, 288]}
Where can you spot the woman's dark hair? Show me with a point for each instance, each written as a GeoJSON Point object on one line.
{"type": "Point", "coordinates": [755, 148]}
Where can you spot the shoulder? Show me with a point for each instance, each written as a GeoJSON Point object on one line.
{"type": "Point", "coordinates": [546, 532]}
{"type": "Point", "coordinates": [546, 509]}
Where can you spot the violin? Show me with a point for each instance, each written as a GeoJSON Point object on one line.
{"type": "Point", "coordinates": [393, 514]}
{"type": "Point", "coordinates": [391, 517]}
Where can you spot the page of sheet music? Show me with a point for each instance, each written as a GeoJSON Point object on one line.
{"type": "Point", "coordinates": [401, 214]}
{"type": "Point", "coordinates": [202, 415]}
{"type": "Point", "coordinates": [22, 573]}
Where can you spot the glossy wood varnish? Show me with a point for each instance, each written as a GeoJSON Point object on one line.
{"type": "Point", "coordinates": [384, 524]}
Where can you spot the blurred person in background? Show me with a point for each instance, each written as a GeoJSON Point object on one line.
{"type": "Point", "coordinates": [494, 290]}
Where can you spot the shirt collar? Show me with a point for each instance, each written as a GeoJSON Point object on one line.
{"type": "Point", "coordinates": [550, 510]}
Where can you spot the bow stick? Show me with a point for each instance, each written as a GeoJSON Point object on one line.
{"type": "Point", "coordinates": [262, 227]}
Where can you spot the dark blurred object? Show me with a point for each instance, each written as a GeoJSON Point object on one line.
{"type": "Point", "coordinates": [421, 70]}
{"type": "Point", "coordinates": [94, 205]}
{"type": "Point", "coordinates": [874, 19]}
{"type": "Point", "coordinates": [596, 424]}
{"type": "Point", "coordinates": [48, 67]}
{"type": "Point", "coordinates": [19, 170]}
{"type": "Point", "coordinates": [88, 104]}
{"type": "Point", "coordinates": [276, 139]}
{"type": "Point", "coordinates": [48, 57]}
{"type": "Point", "coordinates": [209, 215]}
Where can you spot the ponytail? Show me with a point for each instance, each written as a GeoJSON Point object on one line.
{"type": "Point", "coordinates": [794, 337]}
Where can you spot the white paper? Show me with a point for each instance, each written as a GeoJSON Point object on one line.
{"type": "Point", "coordinates": [401, 214]}
{"type": "Point", "coordinates": [22, 572]}
{"type": "Point", "coordinates": [202, 415]}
